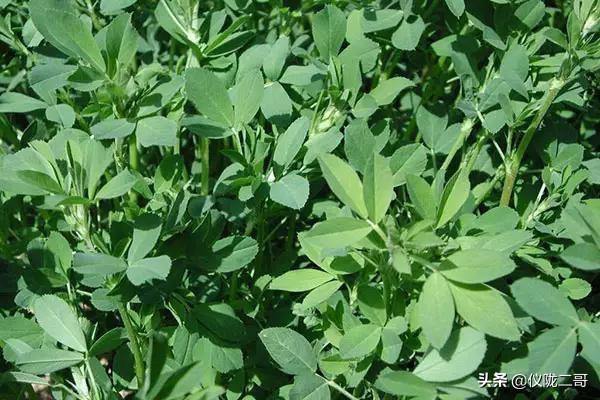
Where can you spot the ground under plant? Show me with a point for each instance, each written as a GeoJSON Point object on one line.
{"type": "Point", "coordinates": [304, 200]}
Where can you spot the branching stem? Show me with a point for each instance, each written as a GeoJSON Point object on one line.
{"type": "Point", "coordinates": [137, 354]}
{"type": "Point", "coordinates": [513, 163]}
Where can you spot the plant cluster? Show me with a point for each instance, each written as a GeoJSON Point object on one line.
{"type": "Point", "coordinates": [304, 200]}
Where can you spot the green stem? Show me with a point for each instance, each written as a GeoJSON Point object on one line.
{"type": "Point", "coordinates": [314, 117]}
{"type": "Point", "coordinates": [465, 130]}
{"type": "Point", "coordinates": [134, 158]}
{"type": "Point", "coordinates": [470, 162]}
{"type": "Point", "coordinates": [92, 380]}
{"type": "Point", "coordinates": [134, 162]}
{"type": "Point", "coordinates": [137, 354]}
{"type": "Point", "coordinates": [514, 163]}
{"type": "Point", "coordinates": [233, 288]}
{"type": "Point", "coordinates": [497, 176]}
{"type": "Point", "coordinates": [340, 389]}
{"type": "Point", "coordinates": [205, 159]}
{"type": "Point", "coordinates": [384, 270]}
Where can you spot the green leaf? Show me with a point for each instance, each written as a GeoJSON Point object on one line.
{"type": "Point", "coordinates": [455, 195]}
{"type": "Point", "coordinates": [47, 360]}
{"type": "Point", "coordinates": [514, 68]}
{"type": "Point", "coordinates": [206, 128]}
{"type": "Point", "coordinates": [147, 269]}
{"type": "Point", "coordinates": [59, 321]}
{"type": "Point", "coordinates": [146, 231]}
{"type": "Point", "coordinates": [98, 264]}
{"type": "Point", "coordinates": [404, 383]}
{"type": "Point", "coordinates": [169, 173]}
{"type": "Point", "coordinates": [18, 327]}
{"type": "Point", "coordinates": [531, 12]}
{"type": "Point", "coordinates": [209, 95]}
{"type": "Point", "coordinates": [171, 18]}
{"type": "Point", "coordinates": [310, 387]}
{"type": "Point", "coordinates": [156, 131]}
{"type": "Point", "coordinates": [23, 378]}
{"type": "Point", "coordinates": [301, 75]}
{"type": "Point", "coordinates": [328, 31]}
{"type": "Point", "coordinates": [121, 40]}
{"type": "Point", "coordinates": [360, 341]}
{"type": "Point", "coordinates": [117, 186]}
{"type": "Point", "coordinates": [96, 158]}
{"type": "Point", "coordinates": [456, 6]}
{"type": "Point", "coordinates": [343, 182]}
{"type": "Point", "coordinates": [477, 266]}
{"type": "Point", "coordinates": [248, 96]}
{"type": "Point", "coordinates": [221, 320]}
{"type": "Point", "coordinates": [486, 310]}
{"type": "Point", "coordinates": [432, 127]}
{"type": "Point", "coordinates": [61, 26]}
{"type": "Point", "coordinates": [321, 293]}
{"type": "Point", "coordinates": [359, 144]}
{"type": "Point", "coordinates": [300, 280]}
{"type": "Point", "coordinates": [231, 253]}
{"type": "Point", "coordinates": [548, 304]}
{"type": "Point", "coordinates": [62, 114]}
{"type": "Point", "coordinates": [112, 129]}
{"type": "Point", "coordinates": [371, 304]}
{"type": "Point", "coordinates": [40, 180]}
{"type": "Point", "coordinates": [589, 337]}
{"type": "Point", "coordinates": [374, 20]}
{"type": "Point", "coordinates": [377, 187]}
{"type": "Point", "coordinates": [496, 220]}
{"type": "Point", "coordinates": [46, 78]}
{"type": "Point", "coordinates": [422, 197]}
{"type": "Point", "coordinates": [408, 34]}
{"type": "Point", "coordinates": [276, 104]}
{"type": "Point", "coordinates": [290, 191]}
{"type": "Point", "coordinates": [409, 159]}
{"type": "Point", "coordinates": [275, 59]}
{"type": "Point", "coordinates": [290, 142]}
{"type": "Point", "coordinates": [386, 91]}
{"type": "Point", "coordinates": [391, 345]}
{"type": "Point", "coordinates": [584, 256]}
{"type": "Point", "coordinates": [436, 310]}
{"type": "Point", "coordinates": [11, 102]}
{"type": "Point", "coordinates": [461, 356]}
{"type": "Point", "coordinates": [553, 351]}
{"type": "Point", "coordinates": [338, 232]}
{"type": "Point", "coordinates": [575, 288]}
{"type": "Point", "coordinates": [109, 341]}
{"type": "Point", "coordinates": [290, 350]}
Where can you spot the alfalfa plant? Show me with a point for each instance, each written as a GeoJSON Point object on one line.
{"type": "Point", "coordinates": [259, 199]}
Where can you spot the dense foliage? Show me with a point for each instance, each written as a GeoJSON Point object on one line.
{"type": "Point", "coordinates": [268, 199]}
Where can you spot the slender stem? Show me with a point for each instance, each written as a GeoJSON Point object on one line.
{"type": "Point", "coordinates": [536, 206]}
{"type": "Point", "coordinates": [470, 162]}
{"type": "Point", "coordinates": [233, 287]}
{"type": "Point", "coordinates": [465, 130]}
{"type": "Point", "coordinates": [134, 159]}
{"type": "Point", "coordinates": [384, 270]}
{"type": "Point", "coordinates": [137, 354]}
{"type": "Point", "coordinates": [379, 231]}
{"type": "Point", "coordinates": [92, 380]}
{"type": "Point", "coordinates": [513, 163]}
{"type": "Point", "coordinates": [314, 117]}
{"type": "Point", "coordinates": [134, 162]}
{"type": "Point", "coordinates": [497, 176]}
{"type": "Point", "coordinates": [426, 263]}
{"type": "Point", "coordinates": [291, 235]}
{"type": "Point", "coordinates": [340, 389]}
{"type": "Point", "coordinates": [205, 159]}
{"type": "Point", "coordinates": [66, 389]}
